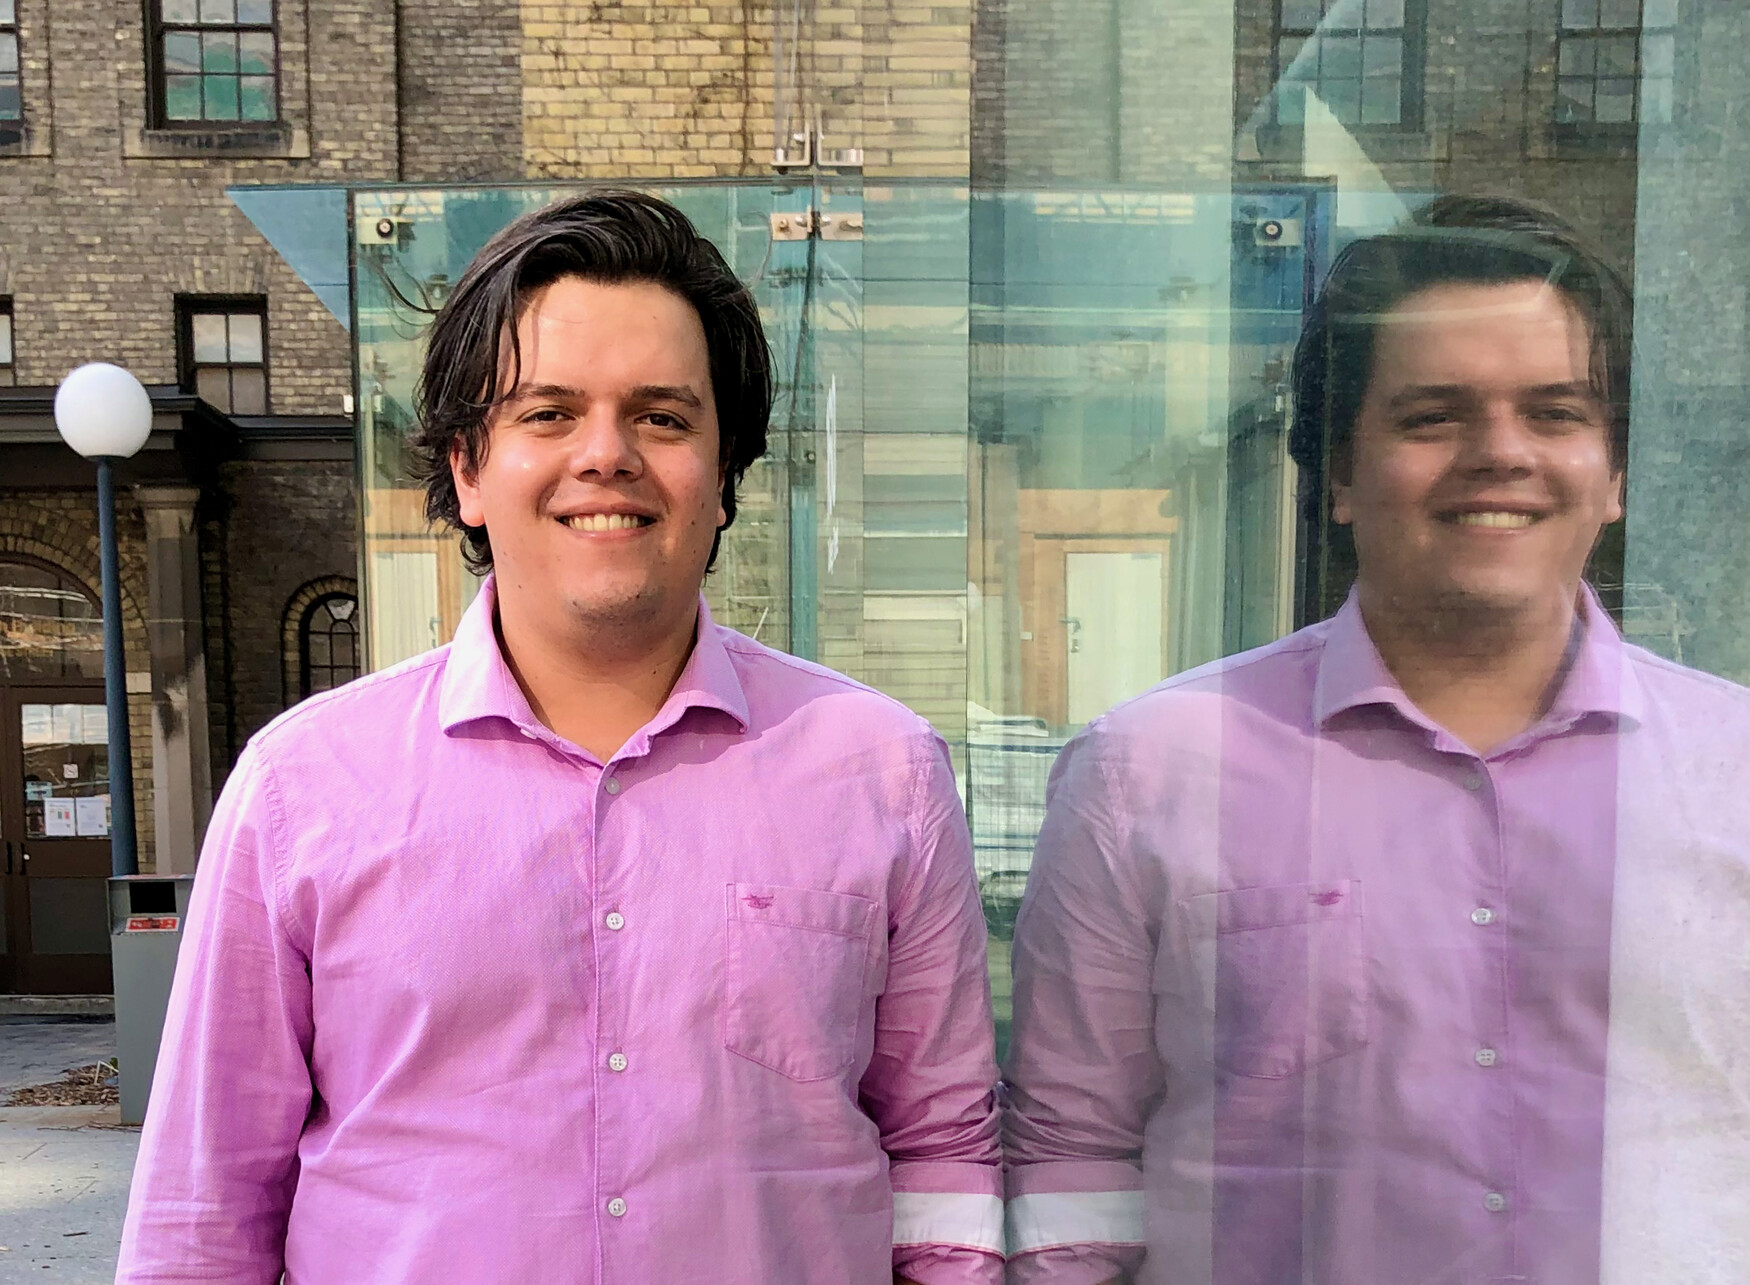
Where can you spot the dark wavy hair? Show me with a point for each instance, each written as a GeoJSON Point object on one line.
{"type": "Point", "coordinates": [1454, 239]}
{"type": "Point", "coordinates": [473, 359]}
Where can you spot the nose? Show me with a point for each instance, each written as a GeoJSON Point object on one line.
{"type": "Point", "coordinates": [604, 445]}
{"type": "Point", "coordinates": [1500, 443]}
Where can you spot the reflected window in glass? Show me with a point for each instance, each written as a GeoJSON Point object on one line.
{"type": "Point", "coordinates": [1615, 62]}
{"type": "Point", "coordinates": [51, 627]}
{"type": "Point", "coordinates": [1354, 57]}
{"type": "Point", "coordinates": [218, 62]}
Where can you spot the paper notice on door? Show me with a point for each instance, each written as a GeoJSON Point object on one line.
{"type": "Point", "coordinates": [58, 819]}
{"type": "Point", "coordinates": [92, 816]}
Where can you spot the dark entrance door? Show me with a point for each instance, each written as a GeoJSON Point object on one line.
{"type": "Point", "coordinates": [54, 832]}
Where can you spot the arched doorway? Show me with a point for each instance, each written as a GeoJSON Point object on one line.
{"type": "Point", "coordinates": [54, 784]}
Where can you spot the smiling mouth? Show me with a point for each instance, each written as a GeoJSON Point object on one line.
{"type": "Point", "coordinates": [1498, 520]}
{"type": "Point", "coordinates": [606, 521]}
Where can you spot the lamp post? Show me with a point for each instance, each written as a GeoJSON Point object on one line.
{"type": "Point", "coordinates": [103, 413]}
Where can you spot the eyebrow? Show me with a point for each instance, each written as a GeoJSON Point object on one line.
{"type": "Point", "coordinates": [1453, 392]}
{"type": "Point", "coordinates": [681, 393]}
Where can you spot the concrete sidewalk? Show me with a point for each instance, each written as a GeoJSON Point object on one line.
{"type": "Point", "coordinates": [64, 1171]}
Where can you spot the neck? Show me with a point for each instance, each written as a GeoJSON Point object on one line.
{"type": "Point", "coordinates": [594, 686]}
{"type": "Point", "coordinates": [1483, 676]}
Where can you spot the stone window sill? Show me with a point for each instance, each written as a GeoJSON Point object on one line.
{"type": "Point", "coordinates": [271, 141]}
{"type": "Point", "coordinates": [21, 138]}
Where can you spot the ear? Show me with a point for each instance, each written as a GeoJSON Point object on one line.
{"type": "Point", "coordinates": [722, 481]}
{"type": "Point", "coordinates": [468, 498]}
{"type": "Point", "coordinates": [1341, 511]}
{"type": "Point", "coordinates": [1613, 509]}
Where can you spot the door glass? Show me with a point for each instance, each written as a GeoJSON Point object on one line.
{"type": "Point", "coordinates": [49, 628]}
{"type": "Point", "coordinates": [66, 771]}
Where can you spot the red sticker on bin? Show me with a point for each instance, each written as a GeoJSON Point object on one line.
{"type": "Point", "coordinates": [153, 923]}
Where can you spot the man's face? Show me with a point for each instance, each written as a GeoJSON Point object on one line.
{"type": "Point", "coordinates": [1481, 470]}
{"type": "Point", "coordinates": [601, 489]}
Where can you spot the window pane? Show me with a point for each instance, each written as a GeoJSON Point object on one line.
{"type": "Point", "coordinates": [1291, 102]}
{"type": "Point", "coordinates": [5, 339]}
{"type": "Point", "coordinates": [1616, 102]}
{"type": "Point", "coordinates": [255, 53]}
{"type": "Point", "coordinates": [1382, 102]}
{"type": "Point", "coordinates": [11, 101]}
{"type": "Point", "coordinates": [1340, 58]}
{"type": "Point", "coordinates": [1299, 58]}
{"type": "Point", "coordinates": [8, 53]}
{"type": "Point", "coordinates": [208, 331]}
{"type": "Point", "coordinates": [182, 97]}
{"type": "Point", "coordinates": [1343, 97]}
{"type": "Point", "coordinates": [1573, 101]}
{"type": "Point", "coordinates": [1300, 15]}
{"type": "Point", "coordinates": [1658, 55]}
{"type": "Point", "coordinates": [1577, 57]}
{"type": "Point", "coordinates": [1616, 56]}
{"type": "Point", "coordinates": [1343, 15]}
{"type": "Point", "coordinates": [256, 11]}
{"type": "Point", "coordinates": [213, 385]}
{"type": "Point", "coordinates": [257, 99]}
{"type": "Point", "coordinates": [221, 97]}
{"type": "Point", "coordinates": [1385, 13]}
{"type": "Point", "coordinates": [218, 11]}
{"type": "Point", "coordinates": [248, 390]}
{"type": "Point", "coordinates": [1383, 56]}
{"type": "Point", "coordinates": [219, 52]}
{"type": "Point", "coordinates": [1659, 13]}
{"type": "Point", "coordinates": [8, 12]}
{"type": "Point", "coordinates": [182, 52]}
{"type": "Point", "coordinates": [181, 11]}
{"type": "Point", "coordinates": [318, 640]}
{"type": "Point", "coordinates": [1619, 13]}
{"type": "Point", "coordinates": [1579, 13]}
{"type": "Point", "coordinates": [245, 337]}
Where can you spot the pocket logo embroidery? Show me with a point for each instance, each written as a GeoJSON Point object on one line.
{"type": "Point", "coordinates": [1330, 898]}
{"type": "Point", "coordinates": [757, 901]}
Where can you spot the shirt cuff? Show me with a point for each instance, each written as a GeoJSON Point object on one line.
{"type": "Point", "coordinates": [1055, 1219]}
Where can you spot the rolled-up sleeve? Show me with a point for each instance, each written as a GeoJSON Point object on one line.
{"type": "Point", "coordinates": [1082, 1074]}
{"type": "Point", "coordinates": [931, 1083]}
{"type": "Point", "coordinates": [218, 1163]}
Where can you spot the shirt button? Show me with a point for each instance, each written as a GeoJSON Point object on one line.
{"type": "Point", "coordinates": [615, 920]}
{"type": "Point", "coordinates": [1474, 781]}
{"type": "Point", "coordinates": [616, 1061]}
{"type": "Point", "coordinates": [1494, 1202]}
{"type": "Point", "coordinates": [617, 1208]}
{"type": "Point", "coordinates": [1487, 1057]}
{"type": "Point", "coordinates": [1482, 916]}
{"type": "Point", "coordinates": [612, 785]}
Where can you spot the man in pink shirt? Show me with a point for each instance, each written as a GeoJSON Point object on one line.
{"type": "Point", "coordinates": [604, 944]}
{"type": "Point", "coordinates": [1408, 950]}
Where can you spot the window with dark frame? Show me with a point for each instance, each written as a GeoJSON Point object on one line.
{"type": "Point", "coordinates": [224, 348]}
{"type": "Point", "coordinates": [1616, 62]}
{"type": "Point", "coordinates": [11, 92]}
{"type": "Point", "coordinates": [1354, 55]}
{"type": "Point", "coordinates": [328, 644]}
{"type": "Point", "coordinates": [8, 356]}
{"type": "Point", "coordinates": [216, 62]}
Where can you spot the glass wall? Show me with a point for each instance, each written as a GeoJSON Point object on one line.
{"type": "Point", "coordinates": [1030, 457]}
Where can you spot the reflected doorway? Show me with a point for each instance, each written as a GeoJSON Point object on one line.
{"type": "Point", "coordinates": [1113, 617]}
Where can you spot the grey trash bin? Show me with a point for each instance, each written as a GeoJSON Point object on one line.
{"type": "Point", "coordinates": [145, 915]}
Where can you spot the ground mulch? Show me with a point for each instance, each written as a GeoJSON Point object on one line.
{"type": "Point", "coordinates": [81, 1086]}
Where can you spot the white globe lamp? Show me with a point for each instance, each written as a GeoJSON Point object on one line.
{"type": "Point", "coordinates": [102, 412]}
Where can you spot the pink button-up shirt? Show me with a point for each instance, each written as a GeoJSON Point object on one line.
{"type": "Point", "coordinates": [1308, 991]}
{"type": "Point", "coordinates": [458, 1003]}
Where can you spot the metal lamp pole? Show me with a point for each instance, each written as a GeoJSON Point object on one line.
{"type": "Point", "coordinates": [104, 414]}
{"type": "Point", "coordinates": [124, 854]}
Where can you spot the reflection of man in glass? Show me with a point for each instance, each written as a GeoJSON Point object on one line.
{"type": "Point", "coordinates": [603, 944]}
{"type": "Point", "coordinates": [1408, 948]}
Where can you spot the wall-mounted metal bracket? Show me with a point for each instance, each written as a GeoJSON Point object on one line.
{"type": "Point", "coordinates": [799, 225]}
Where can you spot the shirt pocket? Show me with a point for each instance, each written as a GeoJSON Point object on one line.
{"type": "Point", "coordinates": [1285, 970]}
{"type": "Point", "coordinates": [794, 968]}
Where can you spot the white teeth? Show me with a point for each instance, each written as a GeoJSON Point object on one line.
{"type": "Point", "coordinates": [1511, 521]}
{"type": "Point", "coordinates": [604, 522]}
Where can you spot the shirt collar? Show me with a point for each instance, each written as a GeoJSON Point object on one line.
{"type": "Point", "coordinates": [1600, 680]}
{"type": "Point", "coordinates": [478, 684]}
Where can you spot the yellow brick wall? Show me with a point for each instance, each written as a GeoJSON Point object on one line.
{"type": "Point", "coordinates": [624, 89]}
